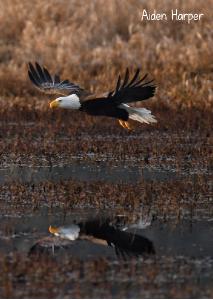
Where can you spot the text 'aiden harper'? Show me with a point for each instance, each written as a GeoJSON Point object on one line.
{"type": "Point", "coordinates": [174, 15]}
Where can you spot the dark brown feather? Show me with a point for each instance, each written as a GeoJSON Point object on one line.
{"type": "Point", "coordinates": [48, 84]}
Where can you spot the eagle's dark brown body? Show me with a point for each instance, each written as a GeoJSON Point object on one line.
{"type": "Point", "coordinates": [101, 107]}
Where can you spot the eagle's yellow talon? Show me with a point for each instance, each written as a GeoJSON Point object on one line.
{"type": "Point", "coordinates": [127, 125]}
{"type": "Point", "coordinates": [122, 123]}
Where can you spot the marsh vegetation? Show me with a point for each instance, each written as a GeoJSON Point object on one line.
{"type": "Point", "coordinates": [61, 166]}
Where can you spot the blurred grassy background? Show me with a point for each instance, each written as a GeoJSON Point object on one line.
{"type": "Point", "coordinates": [91, 41]}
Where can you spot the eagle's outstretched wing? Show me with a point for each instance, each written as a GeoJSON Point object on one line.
{"type": "Point", "coordinates": [132, 90]}
{"type": "Point", "coordinates": [42, 79]}
{"type": "Point", "coordinates": [125, 243]}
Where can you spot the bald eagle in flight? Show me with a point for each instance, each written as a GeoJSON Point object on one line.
{"type": "Point", "coordinates": [113, 104]}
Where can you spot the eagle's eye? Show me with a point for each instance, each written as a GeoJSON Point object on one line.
{"type": "Point", "coordinates": [59, 100]}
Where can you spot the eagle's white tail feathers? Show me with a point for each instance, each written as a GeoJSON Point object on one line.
{"type": "Point", "coordinates": [141, 115]}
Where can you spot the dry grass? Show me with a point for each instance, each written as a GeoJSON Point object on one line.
{"type": "Point", "coordinates": [163, 277]}
{"type": "Point", "coordinates": [178, 198]}
{"type": "Point", "coordinates": [91, 42]}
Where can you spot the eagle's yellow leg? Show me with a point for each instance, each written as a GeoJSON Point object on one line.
{"type": "Point", "coordinates": [122, 123]}
{"type": "Point", "coordinates": [127, 125]}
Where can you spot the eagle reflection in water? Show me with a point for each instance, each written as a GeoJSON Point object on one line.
{"type": "Point", "coordinates": [98, 232]}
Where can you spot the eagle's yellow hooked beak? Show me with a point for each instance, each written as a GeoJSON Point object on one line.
{"type": "Point", "coordinates": [53, 230]}
{"type": "Point", "coordinates": [54, 104]}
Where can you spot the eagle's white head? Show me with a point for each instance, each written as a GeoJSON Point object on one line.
{"type": "Point", "coordinates": [70, 102]}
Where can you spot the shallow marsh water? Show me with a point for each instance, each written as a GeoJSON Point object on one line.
{"type": "Point", "coordinates": [83, 172]}
{"type": "Point", "coordinates": [186, 238]}
{"type": "Point", "coordinates": [176, 245]}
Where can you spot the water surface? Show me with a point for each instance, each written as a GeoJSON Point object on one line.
{"type": "Point", "coordinates": [187, 238]}
{"type": "Point", "coordinates": [82, 171]}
